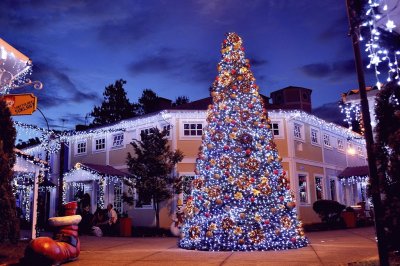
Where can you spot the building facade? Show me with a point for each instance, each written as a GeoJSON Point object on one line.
{"type": "Point", "coordinates": [314, 152]}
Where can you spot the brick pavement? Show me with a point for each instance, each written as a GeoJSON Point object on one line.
{"type": "Point", "coordinates": [338, 247]}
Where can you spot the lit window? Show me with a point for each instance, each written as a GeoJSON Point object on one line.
{"type": "Point", "coordinates": [192, 129]}
{"type": "Point", "coordinates": [327, 140]}
{"type": "Point", "coordinates": [303, 188]}
{"type": "Point", "coordinates": [340, 145]}
{"type": "Point", "coordinates": [297, 131]}
{"type": "Point", "coordinates": [318, 187]}
{"type": "Point", "coordinates": [118, 140]}
{"type": "Point", "coordinates": [350, 149]}
{"type": "Point", "coordinates": [314, 136]}
{"type": "Point", "coordinates": [100, 144]}
{"type": "Point", "coordinates": [81, 147]}
{"type": "Point", "coordinates": [275, 128]}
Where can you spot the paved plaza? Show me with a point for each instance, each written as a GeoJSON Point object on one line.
{"type": "Point", "coordinates": [338, 247]}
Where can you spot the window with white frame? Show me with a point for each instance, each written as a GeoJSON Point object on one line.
{"type": "Point", "coordinates": [340, 144]}
{"type": "Point", "coordinates": [275, 128]}
{"type": "Point", "coordinates": [99, 144]}
{"type": "Point", "coordinates": [167, 128]}
{"type": "Point", "coordinates": [118, 140]}
{"type": "Point", "coordinates": [303, 188]}
{"type": "Point", "coordinates": [319, 187]}
{"type": "Point", "coordinates": [327, 141]}
{"type": "Point", "coordinates": [192, 129]}
{"type": "Point", "coordinates": [314, 136]}
{"type": "Point", "coordinates": [142, 202]}
{"type": "Point", "coordinates": [297, 131]}
{"type": "Point", "coordinates": [81, 147]}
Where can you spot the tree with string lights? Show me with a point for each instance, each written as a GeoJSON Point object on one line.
{"type": "Point", "coordinates": [241, 198]}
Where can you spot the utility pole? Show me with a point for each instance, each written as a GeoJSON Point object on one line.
{"type": "Point", "coordinates": [373, 172]}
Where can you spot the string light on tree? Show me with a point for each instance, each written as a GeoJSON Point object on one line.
{"type": "Point", "coordinates": [379, 21]}
{"type": "Point", "coordinates": [241, 198]}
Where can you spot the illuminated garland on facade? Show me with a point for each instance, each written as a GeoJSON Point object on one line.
{"type": "Point", "coordinates": [91, 175]}
{"type": "Point", "coordinates": [64, 191]}
{"type": "Point", "coordinates": [348, 181]}
{"type": "Point", "coordinates": [26, 200]}
{"type": "Point", "coordinates": [34, 160]}
{"type": "Point", "coordinates": [100, 200]}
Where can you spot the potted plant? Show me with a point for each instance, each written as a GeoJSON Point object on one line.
{"type": "Point", "coordinates": [349, 217]}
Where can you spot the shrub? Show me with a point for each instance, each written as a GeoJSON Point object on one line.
{"type": "Point", "coordinates": [328, 210]}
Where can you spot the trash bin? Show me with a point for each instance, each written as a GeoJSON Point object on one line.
{"type": "Point", "coordinates": [349, 218]}
{"type": "Point", "coordinates": [125, 226]}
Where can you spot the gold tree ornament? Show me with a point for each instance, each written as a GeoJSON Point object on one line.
{"type": "Point", "coordinates": [194, 232]}
{"type": "Point", "coordinates": [227, 223]}
{"type": "Point", "coordinates": [212, 227]}
{"type": "Point", "coordinates": [256, 236]}
{"type": "Point", "coordinates": [286, 222]}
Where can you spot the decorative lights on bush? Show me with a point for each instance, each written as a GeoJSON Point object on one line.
{"type": "Point", "coordinates": [241, 197]}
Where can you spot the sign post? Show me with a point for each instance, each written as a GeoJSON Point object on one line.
{"type": "Point", "coordinates": [21, 104]}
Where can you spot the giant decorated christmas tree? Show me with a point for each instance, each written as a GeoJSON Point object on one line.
{"type": "Point", "coordinates": [240, 198]}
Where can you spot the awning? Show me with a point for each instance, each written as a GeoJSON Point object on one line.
{"type": "Point", "coordinates": [354, 171]}
{"type": "Point", "coordinates": [104, 170]}
{"type": "Point", "coordinates": [46, 184]}
{"type": "Point", "coordinates": [87, 171]}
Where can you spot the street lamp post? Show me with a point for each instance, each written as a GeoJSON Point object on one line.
{"type": "Point", "coordinates": [373, 172]}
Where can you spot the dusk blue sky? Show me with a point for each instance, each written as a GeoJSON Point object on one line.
{"type": "Point", "coordinates": [173, 47]}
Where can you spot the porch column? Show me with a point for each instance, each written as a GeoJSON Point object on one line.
{"type": "Point", "coordinates": [35, 199]}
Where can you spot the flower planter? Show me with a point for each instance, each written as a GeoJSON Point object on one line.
{"type": "Point", "coordinates": [349, 219]}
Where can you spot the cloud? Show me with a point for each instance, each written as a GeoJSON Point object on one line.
{"type": "Point", "coordinates": [330, 112]}
{"type": "Point", "coordinates": [332, 71]}
{"type": "Point", "coordinates": [257, 62]}
{"type": "Point", "coordinates": [317, 70]}
{"type": "Point", "coordinates": [167, 61]}
{"type": "Point", "coordinates": [335, 30]}
{"type": "Point", "coordinates": [58, 88]}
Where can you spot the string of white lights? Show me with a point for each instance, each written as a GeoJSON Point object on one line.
{"type": "Point", "coordinates": [378, 21]}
